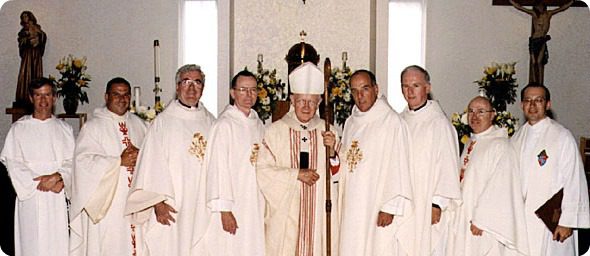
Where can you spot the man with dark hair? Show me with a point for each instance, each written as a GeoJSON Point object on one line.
{"type": "Point", "coordinates": [434, 163]}
{"type": "Point", "coordinates": [375, 180]}
{"type": "Point", "coordinates": [550, 162]}
{"type": "Point", "coordinates": [105, 160]}
{"type": "Point", "coordinates": [233, 196]}
{"type": "Point", "coordinates": [167, 195]}
{"type": "Point", "coordinates": [41, 223]}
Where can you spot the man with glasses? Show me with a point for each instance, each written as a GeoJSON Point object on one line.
{"type": "Point", "coordinates": [233, 196]}
{"type": "Point", "coordinates": [167, 192]}
{"type": "Point", "coordinates": [491, 219]}
{"type": "Point", "coordinates": [105, 159]}
{"type": "Point", "coordinates": [375, 192]}
{"type": "Point", "coordinates": [434, 163]}
{"type": "Point", "coordinates": [550, 162]}
{"type": "Point", "coordinates": [291, 171]}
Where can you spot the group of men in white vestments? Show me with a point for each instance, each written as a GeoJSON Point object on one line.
{"type": "Point", "coordinates": [192, 185]}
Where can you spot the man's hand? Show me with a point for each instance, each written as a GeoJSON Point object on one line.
{"type": "Point", "coordinates": [49, 182]}
{"type": "Point", "coordinates": [229, 222]}
{"type": "Point", "coordinates": [475, 230]}
{"type": "Point", "coordinates": [164, 213]}
{"type": "Point", "coordinates": [384, 219]}
{"type": "Point", "coordinates": [308, 176]}
{"type": "Point", "coordinates": [58, 187]}
{"type": "Point", "coordinates": [129, 156]}
{"type": "Point", "coordinates": [561, 233]}
{"type": "Point", "coordinates": [330, 142]}
{"type": "Point", "coordinates": [436, 212]}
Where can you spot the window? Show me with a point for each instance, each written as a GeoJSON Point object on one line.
{"type": "Point", "coordinates": [199, 44]}
{"type": "Point", "coordinates": [407, 23]}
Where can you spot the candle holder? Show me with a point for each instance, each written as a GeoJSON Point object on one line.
{"type": "Point", "coordinates": [157, 89]}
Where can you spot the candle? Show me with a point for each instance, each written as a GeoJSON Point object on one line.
{"type": "Point", "coordinates": [344, 56]}
{"type": "Point", "coordinates": [157, 58]}
{"type": "Point", "coordinates": [260, 57]}
{"type": "Point", "coordinates": [136, 95]}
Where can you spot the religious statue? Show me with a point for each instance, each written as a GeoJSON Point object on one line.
{"type": "Point", "coordinates": [541, 19]}
{"type": "Point", "coordinates": [31, 45]}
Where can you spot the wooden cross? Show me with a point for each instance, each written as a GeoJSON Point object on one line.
{"type": "Point", "coordinates": [541, 20]}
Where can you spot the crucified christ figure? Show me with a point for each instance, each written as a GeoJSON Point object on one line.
{"type": "Point", "coordinates": [541, 19]}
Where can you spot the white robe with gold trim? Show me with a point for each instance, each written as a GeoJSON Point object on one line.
{"type": "Point", "coordinates": [234, 142]}
{"type": "Point", "coordinates": [100, 186]}
{"type": "Point", "coordinates": [374, 176]}
{"type": "Point", "coordinates": [435, 175]}
{"type": "Point", "coordinates": [291, 204]}
{"type": "Point", "coordinates": [33, 148]}
{"type": "Point", "coordinates": [492, 200]}
{"type": "Point", "coordinates": [562, 168]}
{"type": "Point", "coordinates": [170, 170]}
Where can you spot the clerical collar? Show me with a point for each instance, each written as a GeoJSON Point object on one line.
{"type": "Point", "coordinates": [420, 107]}
{"type": "Point", "coordinates": [187, 106]}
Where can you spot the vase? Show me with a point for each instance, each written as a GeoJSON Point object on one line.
{"type": "Point", "coordinates": [70, 105]}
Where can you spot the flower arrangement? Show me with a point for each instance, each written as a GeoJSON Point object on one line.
{"type": "Point", "coordinates": [461, 124]}
{"type": "Point", "coordinates": [340, 94]}
{"type": "Point", "coordinates": [146, 113]}
{"type": "Point", "coordinates": [73, 79]}
{"type": "Point", "coordinates": [505, 119]}
{"type": "Point", "coordinates": [270, 90]}
{"type": "Point", "coordinates": [499, 84]}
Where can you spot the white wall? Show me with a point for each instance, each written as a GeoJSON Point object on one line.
{"type": "Point", "coordinates": [463, 36]}
{"type": "Point", "coordinates": [272, 27]}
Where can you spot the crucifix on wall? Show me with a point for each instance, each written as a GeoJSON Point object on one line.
{"type": "Point", "coordinates": [541, 20]}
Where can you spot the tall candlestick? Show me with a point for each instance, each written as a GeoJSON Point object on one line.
{"type": "Point", "coordinates": [157, 59]}
{"type": "Point", "coordinates": [137, 96]}
{"type": "Point", "coordinates": [344, 56]}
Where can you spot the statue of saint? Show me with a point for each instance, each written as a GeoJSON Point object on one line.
{"type": "Point", "coordinates": [541, 18]}
{"type": "Point", "coordinates": [31, 45]}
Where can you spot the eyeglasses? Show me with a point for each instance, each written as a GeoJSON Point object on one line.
{"type": "Point", "coordinates": [187, 83]}
{"type": "Point", "coordinates": [478, 112]}
{"type": "Point", "coordinates": [536, 101]}
{"type": "Point", "coordinates": [302, 102]}
{"type": "Point", "coordinates": [245, 90]}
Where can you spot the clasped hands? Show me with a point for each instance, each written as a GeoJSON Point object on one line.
{"type": "Point", "coordinates": [50, 182]}
{"type": "Point", "coordinates": [129, 156]}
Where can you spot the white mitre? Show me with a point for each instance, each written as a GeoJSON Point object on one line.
{"type": "Point", "coordinates": [307, 79]}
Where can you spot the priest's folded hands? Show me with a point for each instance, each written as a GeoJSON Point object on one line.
{"type": "Point", "coordinates": [51, 182]}
{"type": "Point", "coordinates": [129, 156]}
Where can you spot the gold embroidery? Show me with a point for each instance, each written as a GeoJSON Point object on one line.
{"type": "Point", "coordinates": [254, 154]}
{"type": "Point", "coordinates": [353, 155]}
{"type": "Point", "coordinates": [198, 146]}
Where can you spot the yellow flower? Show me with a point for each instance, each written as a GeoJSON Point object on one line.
{"type": "Point", "coordinates": [81, 82]}
{"type": "Point", "coordinates": [262, 93]}
{"type": "Point", "coordinates": [78, 63]}
{"type": "Point", "coordinates": [491, 70]}
{"type": "Point", "coordinates": [464, 139]}
{"type": "Point", "coordinates": [60, 66]}
{"type": "Point", "coordinates": [335, 91]}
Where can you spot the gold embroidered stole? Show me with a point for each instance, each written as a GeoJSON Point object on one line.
{"type": "Point", "coordinates": [307, 201]}
{"type": "Point", "coordinates": [130, 169]}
